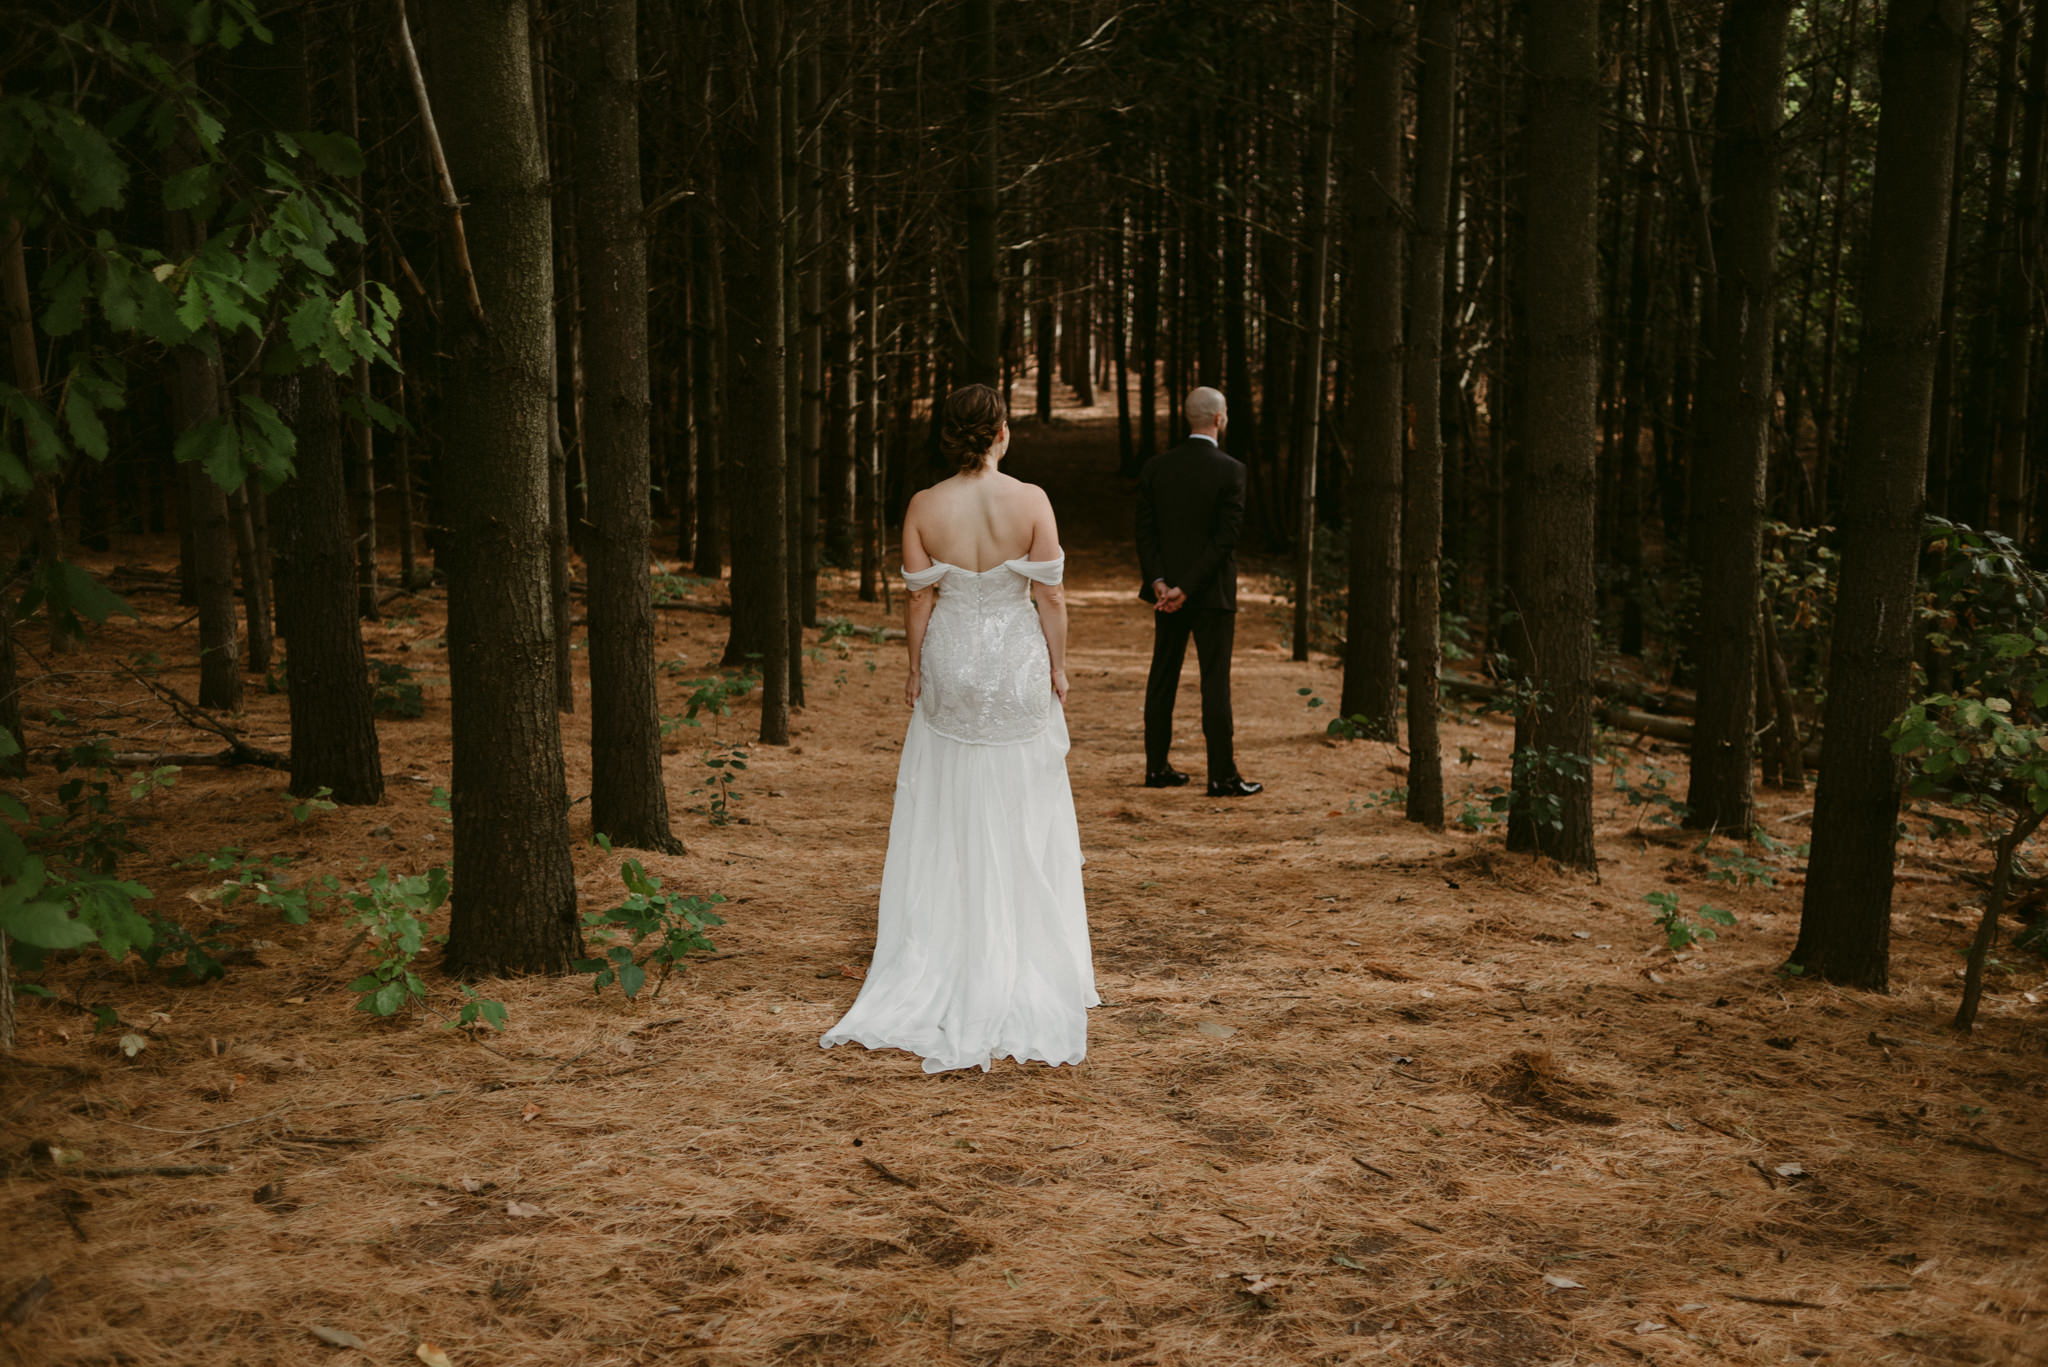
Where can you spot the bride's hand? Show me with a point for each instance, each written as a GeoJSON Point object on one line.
{"type": "Point", "coordinates": [912, 686]}
{"type": "Point", "coordinates": [1059, 686]}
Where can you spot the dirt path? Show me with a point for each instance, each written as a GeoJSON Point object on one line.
{"type": "Point", "coordinates": [1358, 1091]}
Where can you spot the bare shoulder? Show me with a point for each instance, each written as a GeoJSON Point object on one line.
{"type": "Point", "coordinates": [1026, 493]}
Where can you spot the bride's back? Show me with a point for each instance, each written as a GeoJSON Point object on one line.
{"type": "Point", "coordinates": [979, 521]}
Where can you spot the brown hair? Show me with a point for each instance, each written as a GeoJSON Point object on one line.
{"type": "Point", "coordinates": [973, 415]}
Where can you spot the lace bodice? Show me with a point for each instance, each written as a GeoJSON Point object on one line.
{"type": "Point", "coordinates": [986, 678]}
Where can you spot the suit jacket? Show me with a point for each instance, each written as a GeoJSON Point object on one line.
{"type": "Point", "coordinates": [1190, 508]}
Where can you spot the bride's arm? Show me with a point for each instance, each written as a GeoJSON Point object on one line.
{"type": "Point", "coordinates": [917, 605]}
{"type": "Point", "coordinates": [1051, 599]}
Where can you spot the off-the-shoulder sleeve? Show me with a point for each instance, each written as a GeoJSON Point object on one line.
{"type": "Point", "coordinates": [919, 580]}
{"type": "Point", "coordinates": [1041, 571]}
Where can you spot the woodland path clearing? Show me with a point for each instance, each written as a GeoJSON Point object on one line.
{"type": "Point", "coordinates": [1359, 1092]}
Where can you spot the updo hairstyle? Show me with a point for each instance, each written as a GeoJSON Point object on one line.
{"type": "Point", "coordinates": [972, 417]}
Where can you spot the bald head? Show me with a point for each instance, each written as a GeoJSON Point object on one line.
{"type": "Point", "coordinates": [1206, 410]}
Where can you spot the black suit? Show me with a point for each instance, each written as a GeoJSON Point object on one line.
{"type": "Point", "coordinates": [1190, 507]}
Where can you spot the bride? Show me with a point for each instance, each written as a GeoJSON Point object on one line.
{"type": "Point", "coordinates": [981, 945]}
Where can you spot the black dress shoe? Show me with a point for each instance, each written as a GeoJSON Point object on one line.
{"type": "Point", "coordinates": [1234, 787]}
{"type": "Point", "coordinates": [1169, 777]}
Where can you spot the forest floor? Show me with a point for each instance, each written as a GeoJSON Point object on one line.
{"type": "Point", "coordinates": [1357, 1091]}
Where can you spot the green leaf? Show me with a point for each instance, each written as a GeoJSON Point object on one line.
{"type": "Point", "coordinates": [82, 157]}
{"type": "Point", "coordinates": [632, 978]}
{"type": "Point", "coordinates": [388, 999]}
{"type": "Point", "coordinates": [335, 153]}
{"type": "Point", "coordinates": [217, 447]}
{"type": "Point", "coordinates": [47, 925]}
{"type": "Point", "coordinates": [187, 189]}
{"type": "Point", "coordinates": [88, 433]}
{"type": "Point", "coordinates": [66, 285]}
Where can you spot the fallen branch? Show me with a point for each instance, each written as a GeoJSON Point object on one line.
{"type": "Point", "coordinates": [241, 751]}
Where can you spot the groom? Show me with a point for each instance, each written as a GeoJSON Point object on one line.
{"type": "Point", "coordinates": [1190, 506]}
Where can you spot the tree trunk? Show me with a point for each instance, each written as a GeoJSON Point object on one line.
{"type": "Point", "coordinates": [867, 459]}
{"type": "Point", "coordinates": [362, 435]}
{"type": "Point", "coordinates": [1309, 398]}
{"type": "Point", "coordinates": [797, 445]}
{"type": "Point", "coordinates": [1737, 399]}
{"type": "Point", "coordinates": [1436, 107]}
{"type": "Point", "coordinates": [514, 906]}
{"type": "Point", "coordinates": [1824, 406]}
{"type": "Point", "coordinates": [1845, 922]}
{"type": "Point", "coordinates": [751, 180]}
{"type": "Point", "coordinates": [628, 801]}
{"type": "Point", "coordinates": [984, 333]}
{"type": "Point", "coordinates": [2019, 301]}
{"type": "Point", "coordinates": [563, 388]}
{"type": "Point", "coordinates": [708, 358]}
{"type": "Point", "coordinates": [1372, 297]}
{"type": "Point", "coordinates": [1628, 494]}
{"type": "Point", "coordinates": [1785, 717]}
{"type": "Point", "coordinates": [1044, 331]}
{"type": "Point", "coordinates": [1120, 348]}
{"type": "Point", "coordinates": [1148, 337]}
{"type": "Point", "coordinates": [255, 582]}
{"type": "Point", "coordinates": [1553, 588]}
{"type": "Point", "coordinates": [809, 262]}
{"type": "Point", "coordinates": [333, 721]}
{"type": "Point", "coordinates": [2006, 849]}
{"type": "Point", "coordinates": [837, 476]}
{"type": "Point", "coordinates": [195, 400]}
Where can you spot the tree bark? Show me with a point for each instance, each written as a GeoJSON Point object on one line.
{"type": "Point", "coordinates": [1553, 587]}
{"type": "Point", "coordinates": [514, 907]}
{"type": "Point", "coordinates": [1372, 296]}
{"type": "Point", "coordinates": [1628, 494]}
{"type": "Point", "coordinates": [195, 400]}
{"type": "Point", "coordinates": [255, 582]}
{"type": "Point", "coordinates": [981, 357]}
{"type": "Point", "coordinates": [708, 358]}
{"type": "Point", "coordinates": [1436, 107]}
{"type": "Point", "coordinates": [2020, 299]}
{"type": "Point", "coordinates": [628, 800]}
{"type": "Point", "coordinates": [1309, 397]}
{"type": "Point", "coordinates": [1737, 399]}
{"type": "Point", "coordinates": [757, 452]}
{"type": "Point", "coordinates": [1845, 922]}
{"type": "Point", "coordinates": [333, 721]}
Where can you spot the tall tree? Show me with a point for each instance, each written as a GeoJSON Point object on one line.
{"type": "Point", "coordinates": [981, 360]}
{"type": "Point", "coordinates": [333, 722]}
{"type": "Point", "coordinates": [1552, 578]}
{"type": "Point", "coordinates": [1737, 400]}
{"type": "Point", "coordinates": [195, 406]}
{"type": "Point", "coordinates": [628, 801]}
{"type": "Point", "coordinates": [1372, 294]}
{"type": "Point", "coordinates": [756, 448]}
{"type": "Point", "coordinates": [514, 906]}
{"type": "Point", "coordinates": [1845, 915]}
{"type": "Point", "coordinates": [1309, 396]}
{"type": "Point", "coordinates": [1436, 110]}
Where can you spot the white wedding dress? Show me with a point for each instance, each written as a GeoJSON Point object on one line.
{"type": "Point", "coordinates": [981, 941]}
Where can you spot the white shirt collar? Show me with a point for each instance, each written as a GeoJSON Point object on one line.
{"type": "Point", "coordinates": [1204, 436]}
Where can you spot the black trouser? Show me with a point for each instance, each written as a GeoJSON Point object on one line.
{"type": "Point", "coordinates": [1214, 633]}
